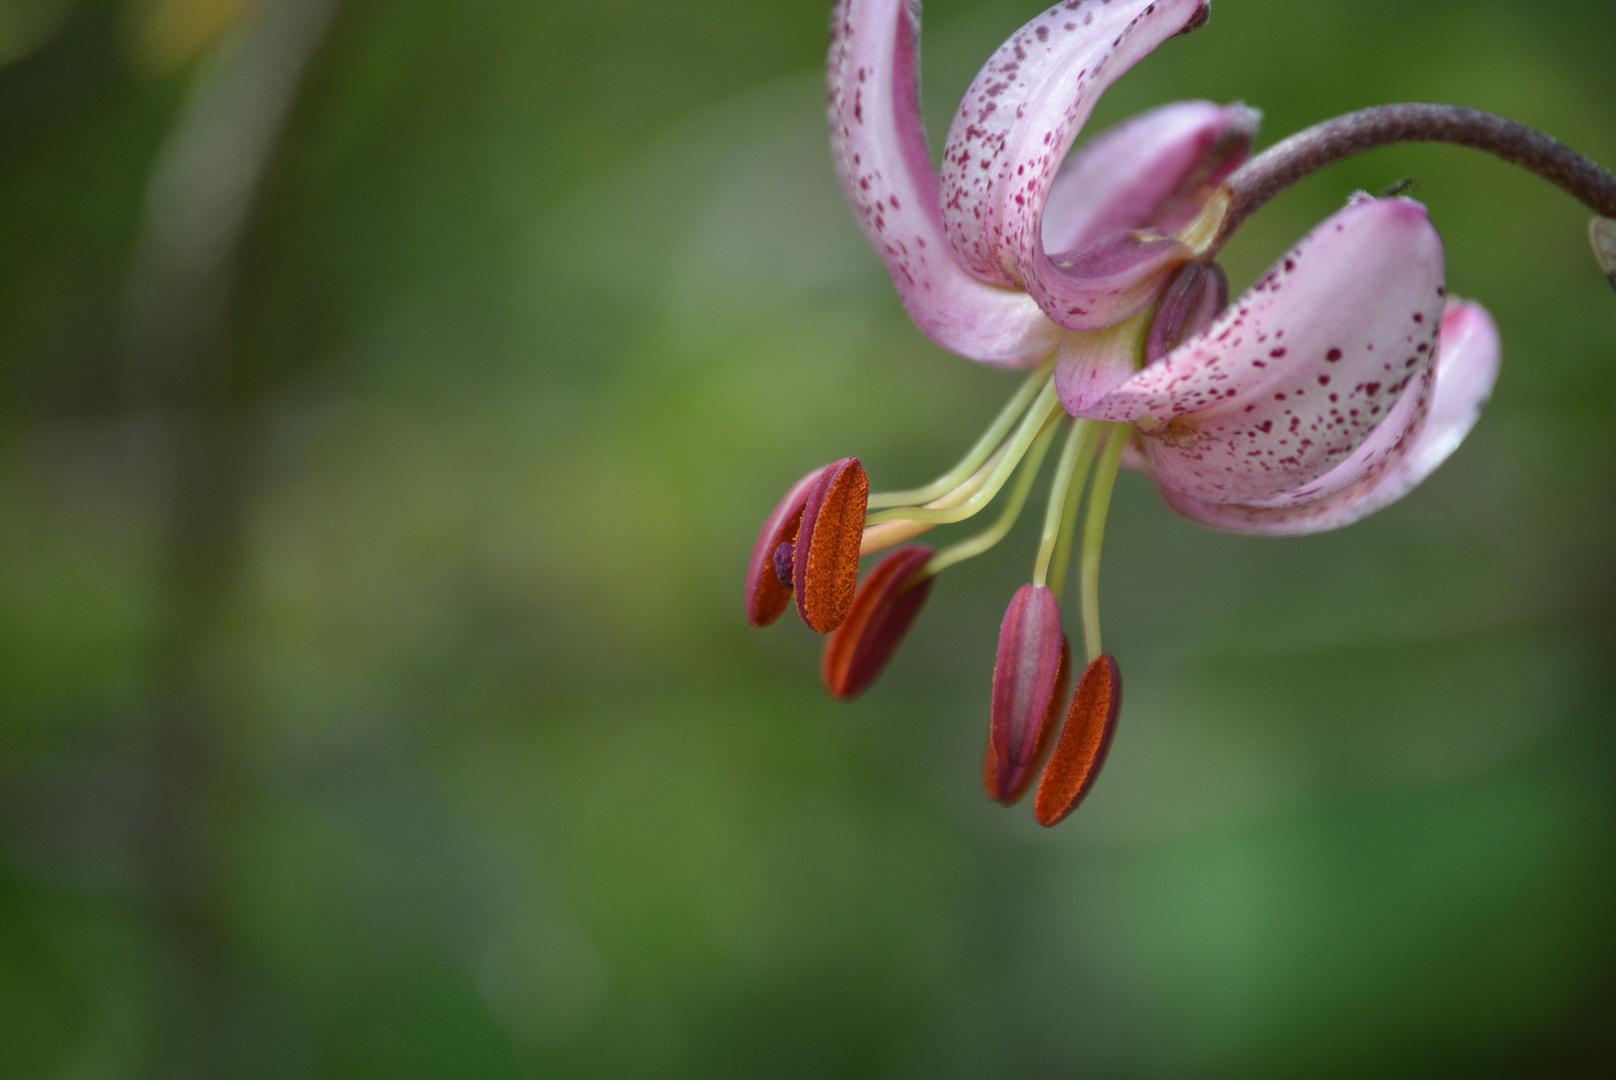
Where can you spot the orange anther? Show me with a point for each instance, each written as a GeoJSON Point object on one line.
{"type": "Point", "coordinates": [883, 610]}
{"type": "Point", "coordinates": [1081, 751]}
{"type": "Point", "coordinates": [825, 563]}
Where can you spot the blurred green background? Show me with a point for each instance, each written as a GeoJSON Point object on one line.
{"type": "Point", "coordinates": [390, 391]}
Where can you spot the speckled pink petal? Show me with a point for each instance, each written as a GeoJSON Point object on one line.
{"type": "Point", "coordinates": [1106, 283]}
{"type": "Point", "coordinates": [879, 145]}
{"type": "Point", "coordinates": [1020, 117]}
{"type": "Point", "coordinates": [1154, 172]}
{"type": "Point", "coordinates": [1292, 379]}
{"type": "Point", "coordinates": [1092, 365]}
{"type": "Point", "coordinates": [1465, 373]}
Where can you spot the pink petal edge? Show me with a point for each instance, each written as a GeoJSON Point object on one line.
{"type": "Point", "coordinates": [879, 144]}
{"type": "Point", "coordinates": [1466, 371]}
{"type": "Point", "coordinates": [1012, 132]}
{"type": "Point", "coordinates": [1151, 171]}
{"type": "Point", "coordinates": [1292, 379]}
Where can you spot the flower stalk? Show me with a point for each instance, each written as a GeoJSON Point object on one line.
{"type": "Point", "coordinates": [1337, 139]}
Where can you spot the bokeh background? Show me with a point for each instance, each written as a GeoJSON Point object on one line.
{"type": "Point", "coordinates": [390, 391]}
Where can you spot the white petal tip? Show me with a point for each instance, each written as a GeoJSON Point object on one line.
{"type": "Point", "coordinates": [1602, 235]}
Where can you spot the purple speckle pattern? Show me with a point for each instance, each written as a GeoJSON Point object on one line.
{"type": "Point", "coordinates": [1153, 171]}
{"type": "Point", "coordinates": [1294, 377]}
{"type": "Point", "coordinates": [879, 145]}
{"type": "Point", "coordinates": [1444, 409]}
{"type": "Point", "coordinates": [1021, 115]}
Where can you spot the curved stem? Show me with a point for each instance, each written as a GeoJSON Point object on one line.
{"type": "Point", "coordinates": [1306, 152]}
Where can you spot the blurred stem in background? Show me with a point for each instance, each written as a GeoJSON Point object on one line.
{"type": "Point", "coordinates": [179, 366]}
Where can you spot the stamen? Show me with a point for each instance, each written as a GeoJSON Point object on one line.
{"type": "Point", "coordinates": [767, 594]}
{"type": "Point", "coordinates": [977, 454]}
{"type": "Point", "coordinates": [825, 561]}
{"type": "Point", "coordinates": [1062, 561]}
{"type": "Point", "coordinates": [987, 538]}
{"type": "Point", "coordinates": [1075, 458]}
{"type": "Point", "coordinates": [1090, 723]}
{"type": "Point", "coordinates": [1032, 425]}
{"type": "Point", "coordinates": [1008, 783]}
{"type": "Point", "coordinates": [886, 606]}
{"type": "Point", "coordinates": [890, 533]}
{"type": "Point", "coordinates": [1105, 479]}
{"type": "Point", "coordinates": [1026, 674]}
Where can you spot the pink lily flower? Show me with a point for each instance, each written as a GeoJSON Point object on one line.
{"type": "Point", "coordinates": [1329, 390]}
{"type": "Point", "coordinates": [1007, 250]}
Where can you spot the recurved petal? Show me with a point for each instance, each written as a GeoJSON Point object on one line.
{"type": "Point", "coordinates": [1154, 171]}
{"type": "Point", "coordinates": [1291, 380]}
{"type": "Point", "coordinates": [766, 595]}
{"type": "Point", "coordinates": [879, 145]}
{"type": "Point", "coordinates": [884, 608]}
{"type": "Point", "coordinates": [1026, 674]}
{"type": "Point", "coordinates": [1106, 283]}
{"type": "Point", "coordinates": [1022, 113]}
{"type": "Point", "coordinates": [1465, 372]}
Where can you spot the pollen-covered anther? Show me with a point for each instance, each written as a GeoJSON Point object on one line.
{"type": "Point", "coordinates": [1090, 723]}
{"type": "Point", "coordinates": [825, 561]}
{"type": "Point", "coordinates": [1026, 678]}
{"type": "Point", "coordinates": [1007, 784]}
{"type": "Point", "coordinates": [885, 606]}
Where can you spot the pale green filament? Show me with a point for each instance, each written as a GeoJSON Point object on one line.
{"type": "Point", "coordinates": [1031, 426]}
{"type": "Point", "coordinates": [1074, 460]}
{"type": "Point", "coordinates": [985, 539]}
{"type": "Point", "coordinates": [880, 537]}
{"type": "Point", "coordinates": [979, 453]}
{"type": "Point", "coordinates": [1068, 526]}
{"type": "Point", "coordinates": [1105, 478]}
